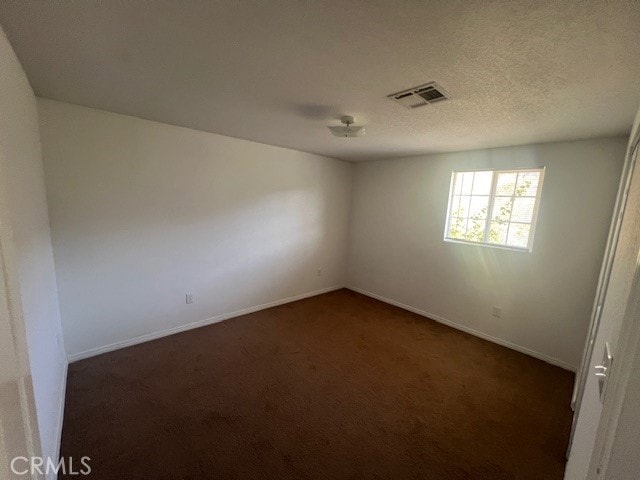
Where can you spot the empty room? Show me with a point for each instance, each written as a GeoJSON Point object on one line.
{"type": "Point", "coordinates": [319, 239]}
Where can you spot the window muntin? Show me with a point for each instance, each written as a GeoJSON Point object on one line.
{"type": "Point", "coordinates": [494, 207]}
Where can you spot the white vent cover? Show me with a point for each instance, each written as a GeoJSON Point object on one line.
{"type": "Point", "coordinates": [419, 96]}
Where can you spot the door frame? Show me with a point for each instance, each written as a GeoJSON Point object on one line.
{"type": "Point", "coordinates": [28, 442]}
{"type": "Point", "coordinates": [621, 374]}
{"type": "Point", "coordinates": [603, 280]}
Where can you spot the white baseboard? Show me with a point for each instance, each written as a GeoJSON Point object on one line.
{"type": "Point", "coordinates": [60, 421]}
{"type": "Point", "coordinates": [458, 326]}
{"type": "Point", "coordinates": [189, 326]}
{"type": "Point", "coordinates": [225, 316]}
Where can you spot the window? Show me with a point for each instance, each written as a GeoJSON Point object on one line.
{"type": "Point", "coordinates": [494, 207]}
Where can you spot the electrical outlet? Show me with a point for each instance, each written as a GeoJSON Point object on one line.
{"type": "Point", "coordinates": [497, 312]}
{"type": "Point", "coordinates": [319, 272]}
{"type": "Point", "coordinates": [189, 297]}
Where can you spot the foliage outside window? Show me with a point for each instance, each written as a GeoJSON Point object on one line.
{"type": "Point", "coordinates": [494, 207]}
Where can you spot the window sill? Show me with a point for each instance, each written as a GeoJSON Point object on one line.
{"type": "Point", "coordinates": [489, 245]}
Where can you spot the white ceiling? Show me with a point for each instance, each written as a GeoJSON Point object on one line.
{"type": "Point", "coordinates": [277, 72]}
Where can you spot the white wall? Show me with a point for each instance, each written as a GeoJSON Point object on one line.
{"type": "Point", "coordinates": [29, 257]}
{"type": "Point", "coordinates": [397, 249]}
{"type": "Point", "coordinates": [143, 212]}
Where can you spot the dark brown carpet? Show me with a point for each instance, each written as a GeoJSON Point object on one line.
{"type": "Point", "coordinates": [338, 386]}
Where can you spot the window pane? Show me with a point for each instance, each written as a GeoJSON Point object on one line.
{"type": "Point", "coordinates": [455, 206]}
{"type": "Point", "coordinates": [482, 183]}
{"type": "Point", "coordinates": [518, 235]}
{"type": "Point", "coordinates": [457, 183]}
{"type": "Point", "coordinates": [467, 182]}
{"type": "Point", "coordinates": [502, 207]}
{"type": "Point", "coordinates": [498, 233]}
{"type": "Point", "coordinates": [506, 183]}
{"type": "Point", "coordinates": [527, 184]}
{"type": "Point", "coordinates": [523, 209]}
{"type": "Point", "coordinates": [463, 209]}
{"type": "Point", "coordinates": [478, 207]}
{"type": "Point", "coordinates": [513, 197]}
{"type": "Point", "coordinates": [475, 230]}
{"type": "Point", "coordinates": [457, 228]}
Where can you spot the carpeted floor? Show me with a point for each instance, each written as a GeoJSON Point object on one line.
{"type": "Point", "coordinates": [338, 386]}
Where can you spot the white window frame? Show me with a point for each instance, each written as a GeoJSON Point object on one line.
{"type": "Point", "coordinates": [492, 196]}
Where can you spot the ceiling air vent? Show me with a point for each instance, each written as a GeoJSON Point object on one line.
{"type": "Point", "coordinates": [419, 96]}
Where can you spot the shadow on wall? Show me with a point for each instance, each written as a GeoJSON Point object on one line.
{"type": "Point", "coordinates": [281, 227]}
{"type": "Point", "coordinates": [136, 265]}
{"type": "Point", "coordinates": [143, 213]}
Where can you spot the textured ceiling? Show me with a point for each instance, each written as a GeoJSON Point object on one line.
{"type": "Point", "coordinates": [277, 72]}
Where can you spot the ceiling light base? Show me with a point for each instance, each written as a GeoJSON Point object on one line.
{"type": "Point", "coordinates": [349, 130]}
